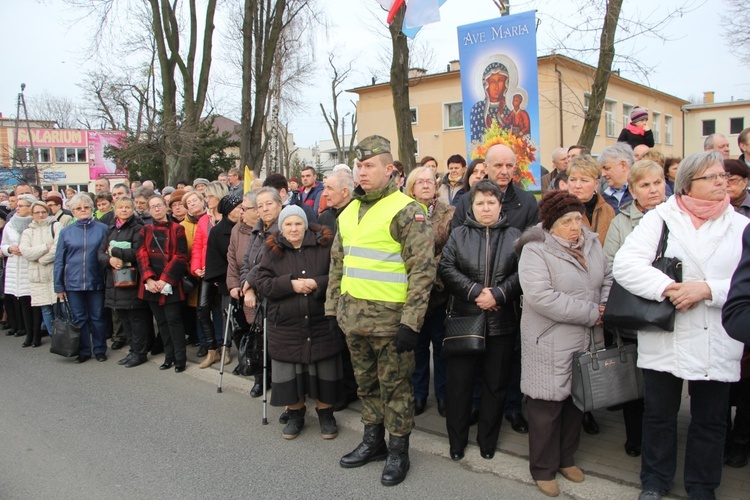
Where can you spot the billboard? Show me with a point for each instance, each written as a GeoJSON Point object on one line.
{"type": "Point", "coordinates": [99, 166]}
{"type": "Point", "coordinates": [500, 91]}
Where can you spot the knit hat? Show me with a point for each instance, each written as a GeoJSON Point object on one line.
{"type": "Point", "coordinates": [229, 203]}
{"type": "Point", "coordinates": [292, 210]}
{"type": "Point", "coordinates": [200, 180]}
{"type": "Point", "coordinates": [167, 190]}
{"type": "Point", "coordinates": [732, 167]}
{"type": "Point", "coordinates": [638, 113]}
{"type": "Point", "coordinates": [555, 204]}
{"type": "Point", "coordinates": [294, 179]}
{"type": "Point", "coordinates": [54, 198]}
{"type": "Point", "coordinates": [176, 196]}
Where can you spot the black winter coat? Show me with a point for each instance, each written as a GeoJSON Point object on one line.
{"type": "Point", "coordinates": [520, 208]}
{"type": "Point", "coordinates": [121, 298]}
{"type": "Point", "coordinates": [636, 140]}
{"type": "Point", "coordinates": [473, 253]}
{"type": "Point", "coordinates": [298, 331]}
{"type": "Point", "coordinates": [216, 254]}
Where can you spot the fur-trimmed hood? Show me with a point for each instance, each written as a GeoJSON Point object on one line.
{"type": "Point", "coordinates": [314, 235]}
{"type": "Point", "coordinates": [536, 233]}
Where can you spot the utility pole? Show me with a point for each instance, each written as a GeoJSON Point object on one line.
{"type": "Point", "coordinates": [31, 152]}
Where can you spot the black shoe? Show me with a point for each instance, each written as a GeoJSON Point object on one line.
{"type": "Point", "coordinates": [441, 407]}
{"type": "Point", "coordinates": [166, 365]}
{"type": "Point", "coordinates": [457, 455]}
{"type": "Point", "coordinates": [295, 424]}
{"type": "Point", "coordinates": [136, 360]}
{"type": "Point", "coordinates": [518, 423]}
{"type": "Point", "coordinates": [26, 344]}
{"type": "Point", "coordinates": [328, 427]}
{"type": "Point", "coordinates": [649, 495]}
{"type": "Point", "coordinates": [81, 359]}
{"type": "Point", "coordinates": [20, 333]}
{"type": "Point", "coordinates": [474, 416]}
{"type": "Point", "coordinates": [101, 357]}
{"type": "Point", "coordinates": [202, 351]}
{"type": "Point", "coordinates": [257, 390]}
{"type": "Point", "coordinates": [397, 462]}
{"type": "Point", "coordinates": [10, 333]}
{"type": "Point", "coordinates": [284, 417]}
{"type": "Point", "coordinates": [736, 455]}
{"type": "Point", "coordinates": [117, 345]}
{"type": "Point", "coordinates": [487, 454]}
{"type": "Point", "coordinates": [589, 424]}
{"type": "Point", "coordinates": [124, 361]}
{"type": "Point", "coordinates": [179, 369]}
{"type": "Point", "coordinates": [420, 405]}
{"type": "Point", "coordinates": [371, 448]}
{"type": "Point", "coordinates": [632, 449]}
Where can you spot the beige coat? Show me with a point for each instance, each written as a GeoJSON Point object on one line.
{"type": "Point", "coordinates": [41, 259]}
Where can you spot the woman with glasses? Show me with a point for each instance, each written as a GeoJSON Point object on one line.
{"type": "Point", "coordinates": [79, 277]}
{"type": "Point", "coordinates": [17, 290]}
{"type": "Point", "coordinates": [738, 172]}
{"type": "Point", "coordinates": [239, 241]}
{"type": "Point", "coordinates": [422, 186]}
{"type": "Point", "coordinates": [195, 205]}
{"type": "Point", "coordinates": [705, 234]}
{"type": "Point", "coordinates": [38, 243]}
{"type": "Point", "coordinates": [162, 263]}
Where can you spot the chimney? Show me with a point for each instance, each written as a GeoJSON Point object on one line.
{"type": "Point", "coordinates": [454, 65]}
{"type": "Point", "coordinates": [417, 72]}
{"type": "Point", "coordinates": [708, 97]}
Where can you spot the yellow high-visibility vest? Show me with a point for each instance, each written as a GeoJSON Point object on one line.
{"type": "Point", "coordinates": [373, 267]}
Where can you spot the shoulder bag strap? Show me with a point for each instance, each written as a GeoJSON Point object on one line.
{"type": "Point", "coordinates": [662, 241]}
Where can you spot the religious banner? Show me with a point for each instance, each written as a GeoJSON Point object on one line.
{"type": "Point", "coordinates": [500, 91]}
{"type": "Point", "coordinates": [99, 164]}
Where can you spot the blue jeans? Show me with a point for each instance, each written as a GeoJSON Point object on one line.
{"type": "Point", "coordinates": [88, 314]}
{"type": "Point", "coordinates": [709, 400]}
{"type": "Point", "coordinates": [432, 332]}
{"type": "Point", "coordinates": [48, 315]}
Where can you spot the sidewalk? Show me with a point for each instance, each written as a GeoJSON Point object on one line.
{"type": "Point", "coordinates": [611, 473]}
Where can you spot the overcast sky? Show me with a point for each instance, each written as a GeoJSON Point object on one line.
{"type": "Point", "coordinates": [43, 50]}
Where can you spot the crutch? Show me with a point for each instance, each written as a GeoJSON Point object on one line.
{"type": "Point", "coordinates": [264, 308]}
{"type": "Point", "coordinates": [227, 343]}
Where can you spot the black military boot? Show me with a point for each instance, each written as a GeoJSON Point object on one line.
{"type": "Point", "coordinates": [397, 463]}
{"type": "Point", "coordinates": [371, 448]}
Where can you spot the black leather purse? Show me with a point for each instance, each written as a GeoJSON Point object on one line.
{"type": "Point", "coordinates": [625, 310]}
{"type": "Point", "coordinates": [464, 335]}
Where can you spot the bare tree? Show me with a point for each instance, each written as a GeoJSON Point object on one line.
{"type": "Point", "coordinates": [332, 118]}
{"type": "Point", "coordinates": [736, 19]}
{"type": "Point", "coordinates": [400, 92]}
{"type": "Point", "coordinates": [63, 110]}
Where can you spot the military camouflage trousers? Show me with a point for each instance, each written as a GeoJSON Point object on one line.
{"type": "Point", "coordinates": [384, 382]}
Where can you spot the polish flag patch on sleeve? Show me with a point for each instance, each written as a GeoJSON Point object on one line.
{"type": "Point", "coordinates": [419, 217]}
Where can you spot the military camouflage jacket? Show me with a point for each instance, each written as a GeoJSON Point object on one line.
{"type": "Point", "coordinates": [367, 317]}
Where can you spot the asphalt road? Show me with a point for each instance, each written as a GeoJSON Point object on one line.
{"type": "Point", "coordinates": [100, 430]}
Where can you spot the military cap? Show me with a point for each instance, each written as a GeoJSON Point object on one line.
{"type": "Point", "coordinates": [372, 145]}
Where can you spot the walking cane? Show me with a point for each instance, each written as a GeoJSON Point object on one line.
{"type": "Point", "coordinates": [227, 343]}
{"type": "Point", "coordinates": [264, 307]}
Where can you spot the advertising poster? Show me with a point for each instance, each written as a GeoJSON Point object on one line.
{"type": "Point", "coordinates": [99, 166]}
{"type": "Point", "coordinates": [500, 91]}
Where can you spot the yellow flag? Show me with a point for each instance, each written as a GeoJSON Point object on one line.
{"type": "Point", "coordinates": [248, 179]}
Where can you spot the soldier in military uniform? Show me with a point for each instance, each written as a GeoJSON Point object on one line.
{"type": "Point", "coordinates": [380, 278]}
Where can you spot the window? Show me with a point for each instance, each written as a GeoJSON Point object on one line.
{"type": "Point", "coordinates": [26, 155]}
{"type": "Point", "coordinates": [626, 110]}
{"type": "Point", "coordinates": [413, 112]}
{"type": "Point", "coordinates": [668, 130]}
{"type": "Point", "coordinates": [453, 115]}
{"type": "Point", "coordinates": [609, 118]}
{"type": "Point", "coordinates": [656, 127]}
{"type": "Point", "coordinates": [70, 155]}
{"type": "Point", "coordinates": [736, 125]}
{"type": "Point", "coordinates": [416, 148]}
{"type": "Point", "coordinates": [709, 127]}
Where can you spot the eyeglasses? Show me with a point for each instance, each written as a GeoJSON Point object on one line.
{"type": "Point", "coordinates": [733, 181]}
{"type": "Point", "coordinates": [39, 212]}
{"type": "Point", "coordinates": [82, 209]}
{"type": "Point", "coordinates": [245, 209]}
{"type": "Point", "coordinates": [429, 182]}
{"type": "Point", "coordinates": [712, 178]}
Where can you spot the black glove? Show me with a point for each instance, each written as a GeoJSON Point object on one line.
{"type": "Point", "coordinates": [406, 339]}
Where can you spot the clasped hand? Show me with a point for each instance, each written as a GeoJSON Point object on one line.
{"type": "Point", "coordinates": [685, 296]}
{"type": "Point", "coordinates": [486, 301]}
{"type": "Point", "coordinates": [304, 285]}
{"type": "Point", "coordinates": [155, 286]}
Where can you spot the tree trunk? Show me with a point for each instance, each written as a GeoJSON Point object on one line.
{"type": "Point", "coordinates": [400, 92]}
{"type": "Point", "coordinates": [603, 72]}
{"type": "Point", "coordinates": [247, 83]}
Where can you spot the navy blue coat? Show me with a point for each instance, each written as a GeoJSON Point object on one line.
{"type": "Point", "coordinates": [77, 267]}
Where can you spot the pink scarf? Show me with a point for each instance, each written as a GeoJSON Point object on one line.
{"type": "Point", "coordinates": [633, 129]}
{"type": "Point", "coordinates": [701, 211]}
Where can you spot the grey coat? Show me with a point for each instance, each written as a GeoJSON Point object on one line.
{"type": "Point", "coordinates": [622, 225]}
{"type": "Point", "coordinates": [560, 305]}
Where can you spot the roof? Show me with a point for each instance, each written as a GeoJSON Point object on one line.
{"type": "Point", "coordinates": [725, 104]}
{"type": "Point", "coordinates": [223, 124]}
{"type": "Point", "coordinates": [552, 58]}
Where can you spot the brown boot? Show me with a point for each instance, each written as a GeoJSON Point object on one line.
{"type": "Point", "coordinates": [549, 488]}
{"type": "Point", "coordinates": [211, 358]}
{"type": "Point", "coordinates": [572, 474]}
{"type": "Point", "coordinates": [228, 358]}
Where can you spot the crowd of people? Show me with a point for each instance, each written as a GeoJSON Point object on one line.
{"type": "Point", "coordinates": [356, 275]}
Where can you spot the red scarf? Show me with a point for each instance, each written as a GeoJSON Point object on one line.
{"type": "Point", "coordinates": [634, 129]}
{"type": "Point", "coordinates": [701, 211]}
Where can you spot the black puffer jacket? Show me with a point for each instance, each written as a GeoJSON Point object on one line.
{"type": "Point", "coordinates": [298, 331]}
{"type": "Point", "coordinates": [476, 254]}
{"type": "Point", "coordinates": [520, 208]}
{"type": "Point", "coordinates": [121, 298]}
{"type": "Point", "coordinates": [216, 254]}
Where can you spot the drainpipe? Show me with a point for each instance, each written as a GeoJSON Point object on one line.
{"type": "Point", "coordinates": [560, 102]}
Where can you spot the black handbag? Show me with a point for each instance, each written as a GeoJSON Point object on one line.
{"type": "Point", "coordinates": [188, 285]}
{"type": "Point", "coordinates": [626, 310]}
{"type": "Point", "coordinates": [464, 335]}
{"type": "Point", "coordinates": [66, 336]}
{"type": "Point", "coordinates": [607, 377]}
{"type": "Point", "coordinates": [250, 356]}
{"type": "Point", "coordinates": [127, 277]}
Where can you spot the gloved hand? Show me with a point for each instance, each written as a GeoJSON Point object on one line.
{"type": "Point", "coordinates": [406, 339]}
